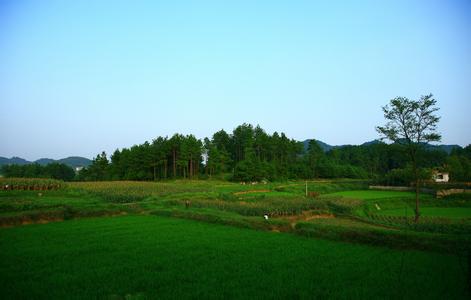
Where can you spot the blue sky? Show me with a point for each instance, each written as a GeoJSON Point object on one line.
{"type": "Point", "coordinates": [79, 77]}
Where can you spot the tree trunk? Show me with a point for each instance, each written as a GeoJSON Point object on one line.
{"type": "Point", "coordinates": [416, 175]}
{"type": "Point", "coordinates": [191, 166]}
{"type": "Point", "coordinates": [174, 163]}
{"type": "Point", "coordinates": [165, 169]}
{"type": "Point", "coordinates": [197, 168]}
{"type": "Point", "coordinates": [417, 214]}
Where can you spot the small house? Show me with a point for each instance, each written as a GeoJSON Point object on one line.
{"type": "Point", "coordinates": [439, 176]}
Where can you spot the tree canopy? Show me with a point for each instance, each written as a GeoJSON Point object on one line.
{"type": "Point", "coordinates": [249, 153]}
{"type": "Point", "coordinates": [412, 124]}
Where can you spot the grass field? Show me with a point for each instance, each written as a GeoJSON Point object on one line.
{"type": "Point", "coordinates": [139, 257]}
{"type": "Point", "coordinates": [196, 239]}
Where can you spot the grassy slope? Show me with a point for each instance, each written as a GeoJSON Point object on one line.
{"type": "Point", "coordinates": [446, 212]}
{"type": "Point", "coordinates": [394, 203]}
{"type": "Point", "coordinates": [149, 256]}
{"type": "Point", "coordinates": [370, 194]}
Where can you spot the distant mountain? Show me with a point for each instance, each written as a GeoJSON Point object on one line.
{"type": "Point", "coordinates": [14, 160]}
{"type": "Point", "coordinates": [327, 147]}
{"type": "Point", "coordinates": [44, 161]}
{"type": "Point", "coordinates": [324, 146]}
{"type": "Point", "coordinates": [76, 161]}
{"type": "Point", "coordinates": [72, 161]}
{"type": "Point", "coordinates": [373, 142]}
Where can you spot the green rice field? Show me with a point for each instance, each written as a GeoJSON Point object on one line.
{"type": "Point", "coordinates": [210, 239]}
{"type": "Point", "coordinates": [150, 257]}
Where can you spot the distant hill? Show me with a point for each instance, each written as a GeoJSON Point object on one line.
{"type": "Point", "coordinates": [72, 161]}
{"type": "Point", "coordinates": [326, 147]}
{"type": "Point", "coordinates": [44, 161]}
{"type": "Point", "coordinates": [373, 142]}
{"type": "Point", "coordinates": [14, 160]}
{"type": "Point", "coordinates": [76, 161]}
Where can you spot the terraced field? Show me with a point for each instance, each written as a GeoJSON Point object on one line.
{"type": "Point", "coordinates": [209, 239]}
{"type": "Point", "coordinates": [443, 212]}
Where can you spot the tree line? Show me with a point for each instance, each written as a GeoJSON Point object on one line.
{"type": "Point", "coordinates": [251, 154]}
{"type": "Point", "coordinates": [53, 170]}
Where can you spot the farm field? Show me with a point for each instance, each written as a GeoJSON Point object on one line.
{"type": "Point", "coordinates": [156, 257]}
{"type": "Point", "coordinates": [181, 239]}
{"type": "Point", "coordinates": [444, 212]}
{"type": "Point", "coordinates": [368, 194]}
{"type": "Point", "coordinates": [403, 199]}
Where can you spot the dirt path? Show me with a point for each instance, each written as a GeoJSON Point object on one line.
{"type": "Point", "coordinates": [252, 191]}
{"type": "Point", "coordinates": [305, 216]}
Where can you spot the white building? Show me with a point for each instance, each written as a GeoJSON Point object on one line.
{"type": "Point", "coordinates": [438, 176]}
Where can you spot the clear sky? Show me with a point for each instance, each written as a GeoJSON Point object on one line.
{"type": "Point", "coordinates": [79, 77]}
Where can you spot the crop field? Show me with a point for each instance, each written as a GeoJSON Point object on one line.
{"type": "Point", "coordinates": [444, 212]}
{"type": "Point", "coordinates": [368, 195]}
{"type": "Point", "coordinates": [157, 257]}
{"type": "Point", "coordinates": [209, 239]}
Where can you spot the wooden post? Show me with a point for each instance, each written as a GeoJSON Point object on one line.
{"type": "Point", "coordinates": [306, 188]}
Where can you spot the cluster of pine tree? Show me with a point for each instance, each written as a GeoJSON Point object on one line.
{"type": "Point", "coordinates": [177, 157]}
{"type": "Point", "coordinates": [251, 154]}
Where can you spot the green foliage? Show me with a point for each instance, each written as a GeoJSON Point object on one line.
{"type": "Point", "coordinates": [404, 177]}
{"type": "Point", "coordinates": [459, 164]}
{"type": "Point", "coordinates": [343, 206]}
{"type": "Point", "coordinates": [52, 170]}
{"type": "Point", "coordinates": [411, 124]}
{"type": "Point", "coordinates": [250, 154]}
{"type": "Point", "coordinates": [98, 170]}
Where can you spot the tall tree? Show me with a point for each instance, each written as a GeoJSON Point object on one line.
{"type": "Point", "coordinates": [314, 154]}
{"type": "Point", "coordinates": [159, 154]}
{"type": "Point", "coordinates": [194, 148]}
{"type": "Point", "coordinates": [411, 124]}
{"type": "Point", "coordinates": [175, 143]}
{"type": "Point", "coordinates": [260, 143]}
{"type": "Point", "coordinates": [243, 138]}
